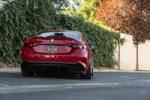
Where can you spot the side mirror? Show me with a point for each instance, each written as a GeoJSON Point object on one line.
{"type": "Point", "coordinates": [93, 47]}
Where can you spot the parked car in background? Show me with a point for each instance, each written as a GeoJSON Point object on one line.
{"type": "Point", "coordinates": [57, 52]}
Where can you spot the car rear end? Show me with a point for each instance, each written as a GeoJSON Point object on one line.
{"type": "Point", "coordinates": [56, 53]}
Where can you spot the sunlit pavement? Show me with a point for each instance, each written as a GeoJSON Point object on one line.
{"type": "Point", "coordinates": [106, 85]}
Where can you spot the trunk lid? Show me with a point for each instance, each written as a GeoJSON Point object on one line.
{"type": "Point", "coordinates": [54, 45]}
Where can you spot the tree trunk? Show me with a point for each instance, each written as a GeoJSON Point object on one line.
{"type": "Point", "coordinates": [137, 57]}
{"type": "Point", "coordinates": [119, 56]}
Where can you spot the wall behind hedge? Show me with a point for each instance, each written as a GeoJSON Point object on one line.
{"type": "Point", "coordinates": [22, 19]}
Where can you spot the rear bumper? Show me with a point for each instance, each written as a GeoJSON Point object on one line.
{"type": "Point", "coordinates": [55, 67]}
{"type": "Point", "coordinates": [60, 62]}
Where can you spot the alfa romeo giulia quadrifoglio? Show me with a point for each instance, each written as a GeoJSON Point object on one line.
{"type": "Point", "coordinates": [59, 52]}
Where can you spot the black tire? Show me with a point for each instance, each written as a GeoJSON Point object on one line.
{"type": "Point", "coordinates": [24, 71]}
{"type": "Point", "coordinates": [92, 69]}
{"type": "Point", "coordinates": [87, 75]}
{"type": "Point", "coordinates": [92, 72]}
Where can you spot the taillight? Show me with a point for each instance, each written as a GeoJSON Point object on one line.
{"type": "Point", "coordinates": [31, 44]}
{"type": "Point", "coordinates": [77, 46]}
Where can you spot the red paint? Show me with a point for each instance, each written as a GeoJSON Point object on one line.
{"type": "Point", "coordinates": [68, 50]}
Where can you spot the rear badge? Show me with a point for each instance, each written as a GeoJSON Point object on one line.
{"type": "Point", "coordinates": [52, 40]}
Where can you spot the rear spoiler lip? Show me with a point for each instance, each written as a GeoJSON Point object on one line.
{"type": "Point", "coordinates": [56, 38]}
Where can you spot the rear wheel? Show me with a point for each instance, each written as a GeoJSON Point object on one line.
{"type": "Point", "coordinates": [88, 75]}
{"type": "Point", "coordinates": [24, 70]}
{"type": "Point", "coordinates": [92, 72]}
{"type": "Point", "coordinates": [92, 68]}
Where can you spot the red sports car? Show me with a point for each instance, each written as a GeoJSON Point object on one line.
{"type": "Point", "coordinates": [57, 52]}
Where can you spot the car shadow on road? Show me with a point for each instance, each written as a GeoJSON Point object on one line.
{"type": "Point", "coordinates": [39, 76]}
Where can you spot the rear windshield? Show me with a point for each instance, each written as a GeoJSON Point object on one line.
{"type": "Point", "coordinates": [73, 35]}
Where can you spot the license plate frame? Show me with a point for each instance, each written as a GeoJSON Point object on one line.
{"type": "Point", "coordinates": [52, 49]}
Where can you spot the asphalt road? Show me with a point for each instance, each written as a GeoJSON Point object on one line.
{"type": "Point", "coordinates": [104, 86]}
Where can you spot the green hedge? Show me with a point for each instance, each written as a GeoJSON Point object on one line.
{"type": "Point", "coordinates": [21, 19]}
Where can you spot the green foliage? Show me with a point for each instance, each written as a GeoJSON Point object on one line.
{"type": "Point", "coordinates": [22, 19]}
{"type": "Point", "coordinates": [16, 19]}
{"type": "Point", "coordinates": [86, 9]}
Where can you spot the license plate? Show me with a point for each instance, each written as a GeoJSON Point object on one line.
{"type": "Point", "coordinates": [52, 49]}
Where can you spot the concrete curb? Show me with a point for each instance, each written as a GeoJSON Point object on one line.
{"type": "Point", "coordinates": [9, 69]}
{"type": "Point", "coordinates": [114, 70]}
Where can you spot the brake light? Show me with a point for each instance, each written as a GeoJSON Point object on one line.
{"type": "Point", "coordinates": [77, 46]}
{"type": "Point", "coordinates": [31, 44]}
